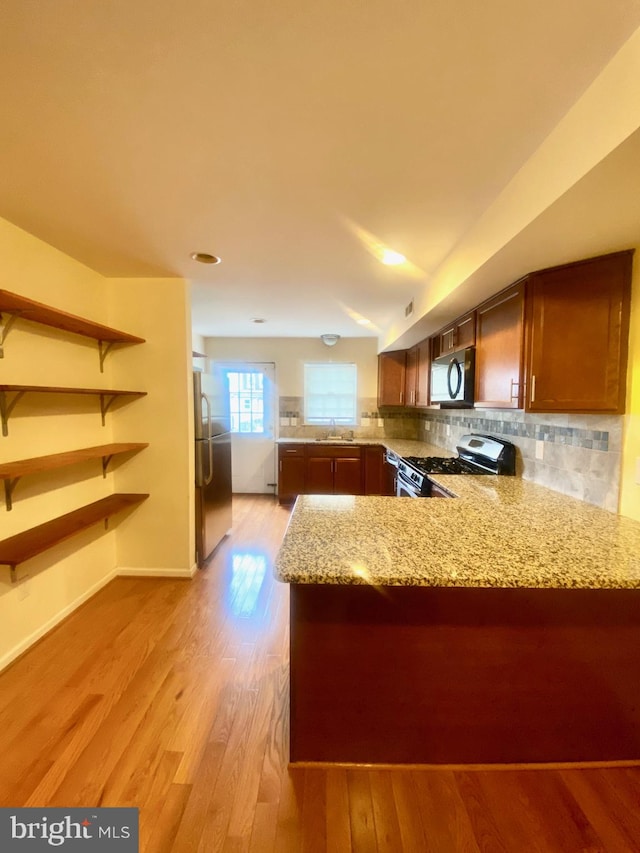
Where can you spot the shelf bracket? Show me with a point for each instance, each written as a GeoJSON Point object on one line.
{"type": "Point", "coordinates": [9, 486]}
{"type": "Point", "coordinates": [105, 464]}
{"type": "Point", "coordinates": [104, 347]}
{"type": "Point", "coordinates": [105, 404]}
{"type": "Point", "coordinates": [6, 407]}
{"type": "Point", "coordinates": [5, 328]}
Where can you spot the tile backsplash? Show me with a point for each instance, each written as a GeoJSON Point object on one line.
{"type": "Point", "coordinates": [578, 455]}
{"type": "Point", "coordinates": [371, 423]}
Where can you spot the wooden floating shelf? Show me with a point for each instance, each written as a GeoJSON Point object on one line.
{"type": "Point", "coordinates": [11, 472]}
{"type": "Point", "coordinates": [19, 307]}
{"type": "Point", "coordinates": [23, 546]}
{"type": "Point", "coordinates": [6, 406]}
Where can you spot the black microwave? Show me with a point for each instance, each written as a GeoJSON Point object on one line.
{"type": "Point", "coordinates": [453, 378]}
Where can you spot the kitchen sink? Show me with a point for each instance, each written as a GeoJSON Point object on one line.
{"type": "Point", "coordinates": [334, 439]}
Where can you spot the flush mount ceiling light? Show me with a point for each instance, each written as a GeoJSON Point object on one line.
{"type": "Point", "coordinates": [330, 340]}
{"type": "Point", "coordinates": [204, 258]}
{"type": "Point", "coordinates": [391, 258]}
{"type": "Point", "coordinates": [258, 320]}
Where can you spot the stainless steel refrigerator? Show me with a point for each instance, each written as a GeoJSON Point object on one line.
{"type": "Point", "coordinates": [213, 463]}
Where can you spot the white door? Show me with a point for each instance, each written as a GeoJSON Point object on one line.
{"type": "Point", "coordinates": [251, 405]}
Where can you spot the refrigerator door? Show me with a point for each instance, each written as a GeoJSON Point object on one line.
{"type": "Point", "coordinates": [211, 405]}
{"type": "Point", "coordinates": [213, 493]}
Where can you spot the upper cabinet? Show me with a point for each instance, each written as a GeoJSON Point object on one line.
{"type": "Point", "coordinates": [418, 374]}
{"type": "Point", "coordinates": [457, 335]}
{"type": "Point", "coordinates": [411, 376]}
{"type": "Point", "coordinates": [391, 378]}
{"type": "Point", "coordinates": [423, 372]}
{"type": "Point", "coordinates": [577, 335]}
{"type": "Point", "coordinates": [500, 350]}
{"type": "Point", "coordinates": [555, 341]}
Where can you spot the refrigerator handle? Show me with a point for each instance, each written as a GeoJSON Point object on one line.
{"type": "Point", "coordinates": [209, 443]}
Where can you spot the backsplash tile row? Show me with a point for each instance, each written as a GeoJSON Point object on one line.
{"type": "Point", "coordinates": [291, 414]}
{"type": "Point", "coordinates": [578, 455]}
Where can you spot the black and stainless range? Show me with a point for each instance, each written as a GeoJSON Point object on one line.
{"type": "Point", "coordinates": [477, 454]}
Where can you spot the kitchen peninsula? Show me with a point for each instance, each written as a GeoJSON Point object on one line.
{"type": "Point", "coordinates": [498, 627]}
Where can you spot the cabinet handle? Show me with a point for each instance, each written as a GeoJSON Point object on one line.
{"type": "Point", "coordinates": [290, 451]}
{"type": "Point", "coordinates": [517, 385]}
{"type": "Point", "coordinates": [402, 397]}
{"type": "Point", "coordinates": [281, 466]}
{"type": "Point", "coordinates": [533, 388]}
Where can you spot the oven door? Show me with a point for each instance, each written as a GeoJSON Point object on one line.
{"type": "Point", "coordinates": [405, 488]}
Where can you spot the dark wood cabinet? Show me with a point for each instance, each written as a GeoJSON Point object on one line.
{"type": "Point", "coordinates": [466, 331]}
{"type": "Point", "coordinates": [411, 376]}
{"type": "Point", "coordinates": [391, 378]}
{"type": "Point", "coordinates": [577, 335]}
{"type": "Point", "coordinates": [457, 335]}
{"type": "Point", "coordinates": [319, 475]}
{"type": "Point", "coordinates": [291, 472]}
{"type": "Point", "coordinates": [375, 480]}
{"type": "Point", "coordinates": [347, 476]}
{"type": "Point", "coordinates": [333, 470]}
{"type": "Point", "coordinates": [500, 349]}
{"type": "Point", "coordinates": [417, 374]}
{"type": "Point", "coordinates": [423, 372]}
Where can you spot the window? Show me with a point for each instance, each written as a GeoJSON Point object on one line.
{"type": "Point", "coordinates": [246, 401]}
{"type": "Point", "coordinates": [330, 393]}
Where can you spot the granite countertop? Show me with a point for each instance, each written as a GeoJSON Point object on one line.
{"type": "Point", "coordinates": [500, 532]}
{"type": "Point", "coordinates": [402, 446]}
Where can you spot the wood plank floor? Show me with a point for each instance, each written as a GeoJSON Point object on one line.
{"type": "Point", "coordinates": [171, 696]}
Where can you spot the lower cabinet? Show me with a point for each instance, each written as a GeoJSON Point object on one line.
{"type": "Point", "coordinates": [316, 469]}
{"type": "Point", "coordinates": [291, 464]}
{"type": "Point", "coordinates": [333, 470]}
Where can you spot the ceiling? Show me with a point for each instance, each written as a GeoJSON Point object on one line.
{"type": "Point", "coordinates": [294, 140]}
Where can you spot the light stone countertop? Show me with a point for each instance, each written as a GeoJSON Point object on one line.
{"type": "Point", "coordinates": [500, 532]}
{"type": "Point", "coordinates": [402, 446]}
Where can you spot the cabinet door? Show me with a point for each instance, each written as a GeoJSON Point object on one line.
{"type": "Point", "coordinates": [578, 325]}
{"type": "Point", "coordinates": [291, 478]}
{"type": "Point", "coordinates": [391, 378]}
{"type": "Point", "coordinates": [423, 373]}
{"type": "Point", "coordinates": [411, 376]}
{"type": "Point", "coordinates": [447, 340]}
{"type": "Point", "coordinates": [499, 350]}
{"type": "Point", "coordinates": [290, 471]}
{"type": "Point", "coordinates": [374, 478]}
{"type": "Point", "coordinates": [465, 331]}
{"type": "Point", "coordinates": [319, 475]}
{"type": "Point", "coordinates": [347, 476]}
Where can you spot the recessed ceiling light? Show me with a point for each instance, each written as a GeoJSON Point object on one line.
{"type": "Point", "coordinates": [363, 321]}
{"type": "Point", "coordinates": [204, 258]}
{"type": "Point", "coordinates": [391, 258]}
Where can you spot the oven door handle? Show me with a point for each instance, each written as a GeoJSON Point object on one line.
{"type": "Point", "coordinates": [409, 486]}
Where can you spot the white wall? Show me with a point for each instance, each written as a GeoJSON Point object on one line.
{"type": "Point", "coordinates": [290, 354]}
{"type": "Point", "coordinates": [160, 538]}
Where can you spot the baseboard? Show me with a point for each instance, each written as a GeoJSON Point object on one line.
{"type": "Point", "coordinates": [25, 644]}
{"type": "Point", "coordinates": [137, 572]}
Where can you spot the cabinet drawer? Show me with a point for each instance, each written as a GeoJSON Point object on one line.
{"type": "Point", "coordinates": [335, 451]}
{"type": "Point", "coordinates": [285, 450]}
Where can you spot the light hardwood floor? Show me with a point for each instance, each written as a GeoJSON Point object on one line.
{"type": "Point", "coordinates": [171, 696]}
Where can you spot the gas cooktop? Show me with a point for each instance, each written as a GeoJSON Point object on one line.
{"type": "Point", "coordinates": [442, 465]}
{"type": "Point", "coordinates": [477, 454]}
